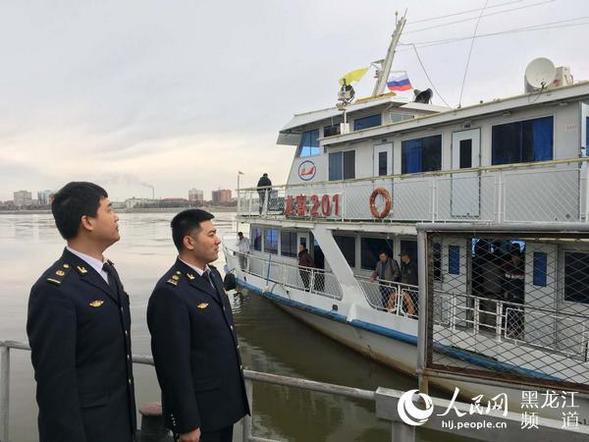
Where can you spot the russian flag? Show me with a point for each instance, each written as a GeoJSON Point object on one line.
{"type": "Point", "coordinates": [399, 82]}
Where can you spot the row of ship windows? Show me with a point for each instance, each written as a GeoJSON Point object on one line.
{"type": "Point", "coordinates": [518, 142]}
{"type": "Point", "coordinates": [576, 264]}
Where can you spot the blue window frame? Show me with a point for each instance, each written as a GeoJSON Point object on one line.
{"type": "Point", "coordinates": [421, 154]}
{"type": "Point", "coordinates": [576, 269]}
{"type": "Point", "coordinates": [271, 241]}
{"type": "Point", "coordinates": [587, 135]}
{"type": "Point", "coordinates": [342, 165]}
{"type": "Point", "coordinates": [366, 122]}
{"type": "Point", "coordinates": [540, 268]}
{"type": "Point", "coordinates": [454, 260]}
{"type": "Point", "coordinates": [523, 141]}
{"type": "Point", "coordinates": [347, 245]}
{"type": "Point", "coordinates": [309, 145]}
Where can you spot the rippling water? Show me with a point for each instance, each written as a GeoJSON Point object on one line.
{"type": "Point", "coordinates": [271, 340]}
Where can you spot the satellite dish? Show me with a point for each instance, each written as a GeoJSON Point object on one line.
{"type": "Point", "coordinates": [423, 96]}
{"type": "Point", "coordinates": [540, 73]}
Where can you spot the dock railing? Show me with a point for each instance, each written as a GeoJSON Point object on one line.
{"type": "Point", "coordinates": [386, 402]}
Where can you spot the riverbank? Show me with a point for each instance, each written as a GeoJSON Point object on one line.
{"type": "Point", "coordinates": [216, 209]}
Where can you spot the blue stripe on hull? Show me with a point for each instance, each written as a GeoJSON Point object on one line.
{"type": "Point", "coordinates": [456, 353]}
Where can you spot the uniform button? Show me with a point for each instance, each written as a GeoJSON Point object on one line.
{"type": "Point", "coordinates": [122, 310]}
{"type": "Point", "coordinates": [237, 346]}
{"type": "Point", "coordinates": [241, 367]}
{"type": "Point", "coordinates": [128, 357]}
{"type": "Point", "coordinates": [126, 333]}
{"type": "Point", "coordinates": [231, 327]}
{"type": "Point", "coordinates": [130, 381]}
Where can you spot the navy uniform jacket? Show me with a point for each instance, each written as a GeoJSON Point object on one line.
{"type": "Point", "coordinates": [81, 353]}
{"type": "Point", "coordinates": [196, 352]}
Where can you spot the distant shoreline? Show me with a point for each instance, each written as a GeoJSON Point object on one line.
{"type": "Point", "coordinates": [137, 210]}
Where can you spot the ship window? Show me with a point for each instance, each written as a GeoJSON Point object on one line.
{"type": "Point", "coordinates": [454, 260]}
{"type": "Point", "coordinates": [421, 154]}
{"type": "Point", "coordinates": [369, 250]}
{"type": "Point", "coordinates": [330, 131]}
{"type": "Point", "coordinates": [382, 163]}
{"type": "Point", "coordinates": [342, 165]}
{"type": "Point", "coordinates": [288, 244]}
{"type": "Point", "coordinates": [576, 277]}
{"type": "Point", "coordinates": [309, 143]}
{"type": "Point", "coordinates": [257, 236]}
{"type": "Point", "coordinates": [466, 154]}
{"type": "Point", "coordinates": [271, 241]}
{"type": "Point", "coordinates": [523, 141]}
{"type": "Point", "coordinates": [366, 122]}
{"type": "Point", "coordinates": [540, 268]}
{"type": "Point", "coordinates": [347, 244]}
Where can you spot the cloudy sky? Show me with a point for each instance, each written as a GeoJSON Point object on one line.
{"type": "Point", "coordinates": [183, 93]}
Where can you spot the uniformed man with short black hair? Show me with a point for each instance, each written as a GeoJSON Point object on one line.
{"type": "Point", "coordinates": [193, 340]}
{"type": "Point", "coordinates": [78, 327]}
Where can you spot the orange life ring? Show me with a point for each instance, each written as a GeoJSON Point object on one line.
{"type": "Point", "coordinates": [388, 202]}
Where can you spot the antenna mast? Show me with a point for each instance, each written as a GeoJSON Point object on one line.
{"type": "Point", "coordinates": [383, 73]}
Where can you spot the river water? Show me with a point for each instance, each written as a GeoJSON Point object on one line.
{"type": "Point", "coordinates": [271, 341]}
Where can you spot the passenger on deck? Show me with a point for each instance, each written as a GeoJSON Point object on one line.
{"type": "Point", "coordinates": [305, 265]}
{"type": "Point", "coordinates": [264, 188]}
{"type": "Point", "coordinates": [243, 245]}
{"type": "Point", "coordinates": [513, 291]}
{"type": "Point", "coordinates": [408, 276]}
{"type": "Point", "coordinates": [387, 271]}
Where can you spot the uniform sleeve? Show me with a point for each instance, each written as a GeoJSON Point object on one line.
{"type": "Point", "coordinates": [52, 328]}
{"type": "Point", "coordinates": [169, 325]}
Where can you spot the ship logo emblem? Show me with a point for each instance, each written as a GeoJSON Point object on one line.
{"type": "Point", "coordinates": [307, 170]}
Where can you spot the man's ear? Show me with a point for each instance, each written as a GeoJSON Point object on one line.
{"type": "Point", "coordinates": [188, 242]}
{"type": "Point", "coordinates": [86, 223]}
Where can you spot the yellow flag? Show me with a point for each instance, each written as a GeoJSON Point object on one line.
{"type": "Point", "coordinates": [355, 75]}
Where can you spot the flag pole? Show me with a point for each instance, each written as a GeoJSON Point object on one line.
{"type": "Point", "coordinates": [388, 62]}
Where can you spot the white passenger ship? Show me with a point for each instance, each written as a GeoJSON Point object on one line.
{"type": "Point", "coordinates": [365, 172]}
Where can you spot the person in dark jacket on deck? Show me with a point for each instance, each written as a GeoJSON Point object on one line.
{"type": "Point", "coordinates": [305, 265]}
{"type": "Point", "coordinates": [264, 188]}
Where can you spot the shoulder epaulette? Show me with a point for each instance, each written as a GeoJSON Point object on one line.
{"type": "Point", "coordinates": [173, 280]}
{"type": "Point", "coordinates": [58, 273]}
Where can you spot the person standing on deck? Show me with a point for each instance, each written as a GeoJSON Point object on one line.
{"type": "Point", "coordinates": [78, 326]}
{"type": "Point", "coordinates": [264, 187]}
{"type": "Point", "coordinates": [193, 341]}
{"type": "Point", "coordinates": [387, 272]}
{"type": "Point", "coordinates": [243, 246]}
{"type": "Point", "coordinates": [305, 265]}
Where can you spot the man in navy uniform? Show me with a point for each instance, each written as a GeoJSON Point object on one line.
{"type": "Point", "coordinates": [193, 340]}
{"type": "Point", "coordinates": [78, 326]}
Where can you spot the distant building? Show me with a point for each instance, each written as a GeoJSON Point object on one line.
{"type": "Point", "coordinates": [23, 198]}
{"type": "Point", "coordinates": [221, 196]}
{"type": "Point", "coordinates": [195, 195]}
{"type": "Point", "coordinates": [45, 197]}
{"type": "Point", "coordinates": [131, 203]}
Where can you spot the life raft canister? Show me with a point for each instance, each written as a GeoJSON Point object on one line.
{"type": "Point", "coordinates": [388, 202]}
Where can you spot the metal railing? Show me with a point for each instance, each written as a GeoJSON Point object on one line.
{"type": "Point", "coordinates": [309, 279]}
{"type": "Point", "coordinates": [550, 191]}
{"type": "Point", "coordinates": [395, 297]}
{"type": "Point", "coordinates": [507, 303]}
{"type": "Point", "coordinates": [386, 403]}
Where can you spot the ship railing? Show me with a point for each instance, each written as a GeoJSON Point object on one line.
{"type": "Point", "coordinates": [499, 425]}
{"type": "Point", "coordinates": [393, 297]}
{"type": "Point", "coordinates": [508, 321]}
{"type": "Point", "coordinates": [308, 279]}
{"type": "Point", "coordinates": [548, 191]}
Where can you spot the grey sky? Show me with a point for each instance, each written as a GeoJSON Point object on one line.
{"type": "Point", "coordinates": [182, 94]}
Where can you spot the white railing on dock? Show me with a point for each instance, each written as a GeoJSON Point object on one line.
{"type": "Point", "coordinates": [550, 191]}
{"type": "Point", "coordinates": [385, 402]}
{"type": "Point", "coordinates": [309, 279]}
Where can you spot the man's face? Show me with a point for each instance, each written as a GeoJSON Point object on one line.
{"type": "Point", "coordinates": [105, 225]}
{"type": "Point", "coordinates": [205, 243]}
{"type": "Point", "coordinates": [383, 257]}
{"type": "Point", "coordinates": [405, 259]}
